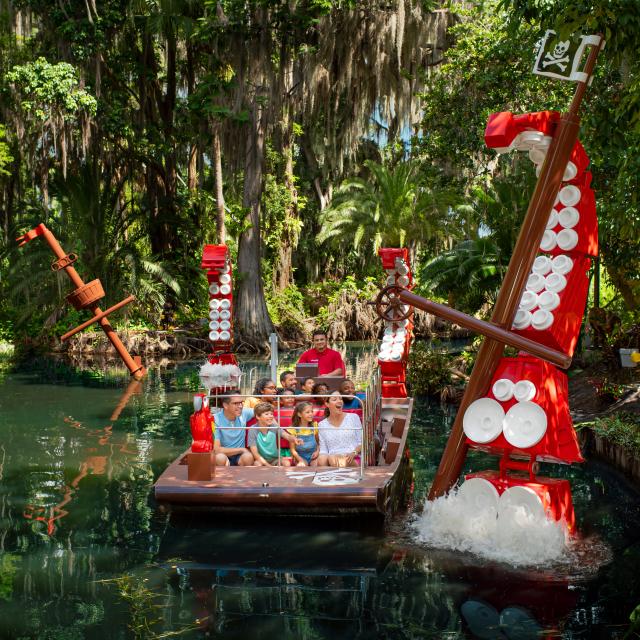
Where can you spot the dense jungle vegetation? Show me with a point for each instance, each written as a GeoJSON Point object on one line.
{"type": "Point", "coordinates": [304, 134]}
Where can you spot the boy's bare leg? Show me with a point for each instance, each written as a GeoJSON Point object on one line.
{"type": "Point", "coordinates": [246, 459]}
{"type": "Point", "coordinates": [219, 459]}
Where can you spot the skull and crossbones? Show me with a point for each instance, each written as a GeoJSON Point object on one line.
{"type": "Point", "coordinates": [557, 56]}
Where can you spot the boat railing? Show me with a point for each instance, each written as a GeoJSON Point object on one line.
{"type": "Point", "coordinates": [372, 412]}
{"type": "Point", "coordinates": [252, 374]}
{"type": "Point", "coordinates": [370, 406]}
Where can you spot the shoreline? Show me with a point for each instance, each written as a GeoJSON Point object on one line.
{"type": "Point", "coordinates": [180, 342]}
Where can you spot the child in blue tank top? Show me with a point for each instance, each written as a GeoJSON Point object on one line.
{"type": "Point", "coordinates": [304, 448]}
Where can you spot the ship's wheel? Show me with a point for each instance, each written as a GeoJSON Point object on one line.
{"type": "Point", "coordinates": [389, 307]}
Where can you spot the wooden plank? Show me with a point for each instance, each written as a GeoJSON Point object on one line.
{"type": "Point", "coordinates": [397, 426]}
{"type": "Point", "coordinates": [391, 452]}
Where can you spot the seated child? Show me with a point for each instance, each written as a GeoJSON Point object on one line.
{"type": "Point", "coordinates": [350, 399]}
{"type": "Point", "coordinates": [307, 386]}
{"type": "Point", "coordinates": [304, 449]}
{"type": "Point", "coordinates": [320, 389]}
{"type": "Point", "coordinates": [263, 440]}
{"type": "Point", "coordinates": [283, 417]}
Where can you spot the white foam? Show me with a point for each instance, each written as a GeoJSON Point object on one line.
{"type": "Point", "coordinates": [219, 375]}
{"type": "Point", "coordinates": [517, 536]}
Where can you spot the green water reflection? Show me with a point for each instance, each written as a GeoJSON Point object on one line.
{"type": "Point", "coordinates": [85, 553]}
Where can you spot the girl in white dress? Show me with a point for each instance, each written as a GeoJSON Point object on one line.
{"type": "Point", "coordinates": [340, 435]}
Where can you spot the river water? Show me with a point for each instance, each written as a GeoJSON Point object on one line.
{"type": "Point", "coordinates": [86, 553]}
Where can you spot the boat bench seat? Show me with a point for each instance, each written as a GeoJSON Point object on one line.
{"type": "Point", "coordinates": [392, 431]}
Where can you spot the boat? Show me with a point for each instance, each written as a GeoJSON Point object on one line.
{"type": "Point", "coordinates": [380, 486]}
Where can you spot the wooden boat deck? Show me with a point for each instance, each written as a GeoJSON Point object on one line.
{"type": "Point", "coordinates": [298, 490]}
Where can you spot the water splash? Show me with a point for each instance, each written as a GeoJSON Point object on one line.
{"type": "Point", "coordinates": [517, 536]}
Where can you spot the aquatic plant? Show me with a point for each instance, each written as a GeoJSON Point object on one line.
{"type": "Point", "coordinates": [429, 369]}
{"type": "Point", "coordinates": [145, 609]}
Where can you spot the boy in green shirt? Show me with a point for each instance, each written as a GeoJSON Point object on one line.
{"type": "Point", "coordinates": [263, 440]}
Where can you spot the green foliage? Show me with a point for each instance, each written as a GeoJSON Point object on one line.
{"type": "Point", "coordinates": [145, 609]}
{"type": "Point", "coordinates": [5, 155]}
{"type": "Point", "coordinates": [126, 98]}
{"type": "Point", "coordinates": [608, 390]}
{"type": "Point", "coordinates": [7, 321]}
{"type": "Point", "coordinates": [110, 243]}
{"type": "Point", "coordinates": [622, 429]}
{"type": "Point", "coordinates": [617, 20]}
{"type": "Point", "coordinates": [337, 291]}
{"type": "Point", "coordinates": [488, 69]}
{"type": "Point", "coordinates": [388, 206]}
{"type": "Point", "coordinates": [287, 309]}
{"type": "Point", "coordinates": [468, 356]}
{"type": "Point", "coordinates": [8, 569]}
{"type": "Point", "coordinates": [429, 369]}
{"type": "Point", "coordinates": [277, 201]}
{"type": "Point", "coordinates": [50, 91]}
{"type": "Point", "coordinates": [634, 624]}
{"type": "Point", "coordinates": [471, 273]}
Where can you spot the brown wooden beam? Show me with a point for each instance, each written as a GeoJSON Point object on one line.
{"type": "Point", "coordinates": [99, 316]}
{"type": "Point", "coordinates": [487, 329]}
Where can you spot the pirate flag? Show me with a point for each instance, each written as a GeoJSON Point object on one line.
{"type": "Point", "coordinates": [561, 58]}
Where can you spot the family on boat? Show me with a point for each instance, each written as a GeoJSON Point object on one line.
{"type": "Point", "coordinates": [310, 426]}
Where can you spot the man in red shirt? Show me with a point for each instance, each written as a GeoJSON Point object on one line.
{"type": "Point", "coordinates": [329, 361]}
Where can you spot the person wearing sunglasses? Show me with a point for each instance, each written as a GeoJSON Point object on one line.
{"type": "Point", "coordinates": [229, 445]}
{"type": "Point", "coordinates": [265, 390]}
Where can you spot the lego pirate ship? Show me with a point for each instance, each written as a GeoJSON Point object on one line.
{"type": "Point", "coordinates": [517, 407]}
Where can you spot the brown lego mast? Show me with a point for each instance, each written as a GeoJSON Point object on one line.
{"type": "Point", "coordinates": [86, 296]}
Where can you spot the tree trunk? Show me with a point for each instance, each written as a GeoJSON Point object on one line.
{"type": "Point", "coordinates": [324, 195]}
{"type": "Point", "coordinates": [4, 215]}
{"type": "Point", "coordinates": [627, 288]}
{"type": "Point", "coordinates": [283, 269]}
{"type": "Point", "coordinates": [217, 170]}
{"type": "Point", "coordinates": [167, 112]}
{"type": "Point", "coordinates": [158, 231]}
{"type": "Point", "coordinates": [44, 184]}
{"type": "Point", "coordinates": [253, 324]}
{"type": "Point", "coordinates": [192, 170]}
{"type": "Point", "coordinates": [168, 204]}
{"type": "Point", "coordinates": [158, 112]}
